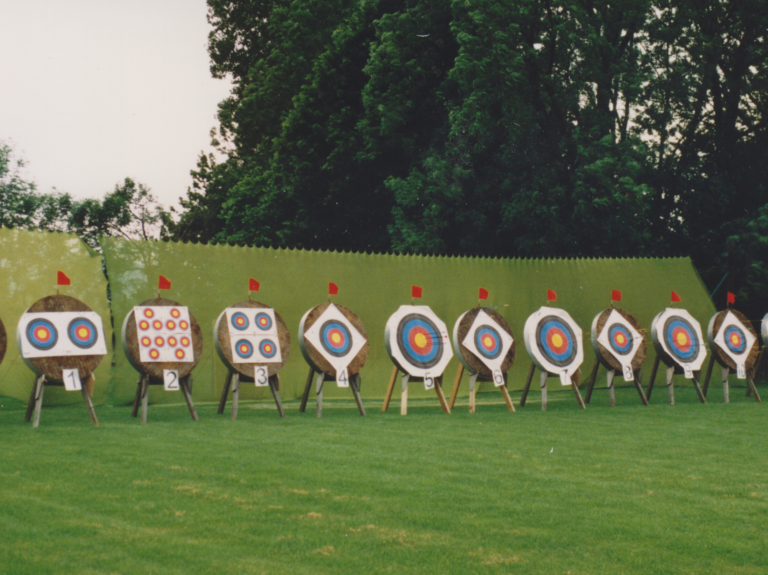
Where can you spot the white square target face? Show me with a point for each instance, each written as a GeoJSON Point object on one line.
{"type": "Point", "coordinates": [337, 340]}
{"type": "Point", "coordinates": [253, 335]}
{"type": "Point", "coordinates": [621, 340]}
{"type": "Point", "coordinates": [417, 340]}
{"type": "Point", "coordinates": [164, 333]}
{"type": "Point", "coordinates": [488, 341]}
{"type": "Point", "coordinates": [553, 341]}
{"type": "Point", "coordinates": [63, 333]}
{"type": "Point", "coordinates": [736, 341]}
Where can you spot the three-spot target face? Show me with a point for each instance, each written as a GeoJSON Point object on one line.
{"type": "Point", "coordinates": [553, 341]}
{"type": "Point", "coordinates": [417, 340]}
{"type": "Point", "coordinates": [42, 334]}
{"type": "Point", "coordinates": [678, 334]}
{"type": "Point", "coordinates": [735, 339]}
{"type": "Point", "coordinates": [56, 334]}
{"type": "Point", "coordinates": [334, 337]}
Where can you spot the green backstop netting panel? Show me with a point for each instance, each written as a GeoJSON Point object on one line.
{"type": "Point", "coordinates": [209, 278]}
{"type": "Point", "coordinates": [29, 261]}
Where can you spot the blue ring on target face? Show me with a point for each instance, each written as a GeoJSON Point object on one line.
{"type": "Point", "coordinates": [267, 348]}
{"type": "Point", "coordinates": [419, 340]}
{"type": "Point", "coordinates": [674, 327]}
{"type": "Point", "coordinates": [482, 334]}
{"type": "Point", "coordinates": [335, 338]}
{"type": "Point", "coordinates": [42, 334]}
{"type": "Point", "coordinates": [556, 341]}
{"type": "Point", "coordinates": [244, 349]}
{"type": "Point", "coordinates": [239, 321]}
{"type": "Point", "coordinates": [616, 330]}
{"type": "Point", "coordinates": [263, 321]}
{"type": "Point", "coordinates": [82, 339]}
{"type": "Point", "coordinates": [738, 332]}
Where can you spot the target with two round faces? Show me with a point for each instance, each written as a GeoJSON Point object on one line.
{"type": "Point", "coordinates": [678, 334]}
{"type": "Point", "coordinates": [337, 340]}
{"type": "Point", "coordinates": [553, 341]}
{"type": "Point", "coordinates": [164, 333]}
{"type": "Point", "coordinates": [253, 335]}
{"type": "Point", "coordinates": [417, 341]}
{"type": "Point", "coordinates": [489, 342]}
{"type": "Point", "coordinates": [55, 334]}
{"type": "Point", "coordinates": [621, 339]}
{"type": "Point", "coordinates": [736, 340]}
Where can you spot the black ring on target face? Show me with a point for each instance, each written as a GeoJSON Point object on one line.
{"type": "Point", "coordinates": [419, 341]}
{"type": "Point", "coordinates": [335, 338]}
{"type": "Point", "coordinates": [488, 341]}
{"type": "Point", "coordinates": [556, 341]}
{"type": "Point", "coordinates": [735, 339]}
{"type": "Point", "coordinates": [267, 348]}
{"type": "Point", "coordinates": [244, 349]}
{"type": "Point", "coordinates": [82, 332]}
{"type": "Point", "coordinates": [263, 321]}
{"type": "Point", "coordinates": [620, 339]}
{"type": "Point", "coordinates": [239, 321]}
{"type": "Point", "coordinates": [42, 334]}
{"type": "Point", "coordinates": [681, 339]}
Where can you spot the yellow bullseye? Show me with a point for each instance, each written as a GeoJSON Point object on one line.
{"type": "Point", "coordinates": [420, 340]}
{"type": "Point", "coordinates": [557, 340]}
{"type": "Point", "coordinates": [41, 334]}
{"type": "Point", "coordinates": [620, 339]}
{"type": "Point", "coordinates": [336, 338]}
{"type": "Point", "coordinates": [682, 339]}
{"type": "Point", "coordinates": [488, 341]}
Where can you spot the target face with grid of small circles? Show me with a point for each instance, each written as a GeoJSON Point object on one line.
{"type": "Point", "coordinates": [678, 334]}
{"type": "Point", "coordinates": [736, 341]}
{"type": "Point", "coordinates": [253, 335]}
{"type": "Point", "coordinates": [56, 334]}
{"type": "Point", "coordinates": [553, 341]}
{"type": "Point", "coordinates": [164, 333]}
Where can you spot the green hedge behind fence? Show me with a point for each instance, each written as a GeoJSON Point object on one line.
{"type": "Point", "coordinates": [209, 278]}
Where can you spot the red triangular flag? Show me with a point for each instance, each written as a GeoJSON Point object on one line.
{"type": "Point", "coordinates": [731, 297]}
{"type": "Point", "coordinates": [483, 294]}
{"type": "Point", "coordinates": [253, 285]}
{"type": "Point", "coordinates": [163, 283]}
{"type": "Point", "coordinates": [675, 297]}
{"type": "Point", "coordinates": [551, 295]}
{"type": "Point", "coordinates": [615, 295]}
{"type": "Point", "coordinates": [62, 279]}
{"type": "Point", "coordinates": [415, 291]}
{"type": "Point", "coordinates": [333, 289]}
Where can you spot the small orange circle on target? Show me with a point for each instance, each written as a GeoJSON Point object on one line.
{"type": "Point", "coordinates": [180, 354]}
{"type": "Point", "coordinates": [175, 313]}
{"type": "Point", "coordinates": [154, 354]}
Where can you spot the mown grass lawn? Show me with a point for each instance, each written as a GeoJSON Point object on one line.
{"type": "Point", "coordinates": [659, 489]}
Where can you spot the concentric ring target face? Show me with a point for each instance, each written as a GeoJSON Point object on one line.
{"type": "Point", "coordinates": [268, 348]}
{"type": "Point", "coordinates": [42, 334]}
{"type": "Point", "coordinates": [553, 341]}
{"type": "Point", "coordinates": [239, 321]}
{"type": "Point", "coordinates": [678, 334]}
{"type": "Point", "coordinates": [243, 349]}
{"type": "Point", "coordinates": [264, 321]}
{"type": "Point", "coordinates": [82, 332]}
{"type": "Point", "coordinates": [487, 340]}
{"type": "Point", "coordinates": [335, 338]}
{"type": "Point", "coordinates": [417, 340]}
{"type": "Point", "coordinates": [166, 327]}
{"type": "Point", "coordinates": [420, 340]}
{"type": "Point", "coordinates": [620, 339]}
{"type": "Point", "coordinates": [735, 339]}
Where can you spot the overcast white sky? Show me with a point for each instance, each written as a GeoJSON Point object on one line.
{"type": "Point", "coordinates": [94, 91]}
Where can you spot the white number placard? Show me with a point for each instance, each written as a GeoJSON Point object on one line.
{"type": "Point", "coordinates": [71, 379]}
{"type": "Point", "coordinates": [63, 333]}
{"type": "Point", "coordinates": [171, 380]}
{"type": "Point", "coordinates": [261, 376]}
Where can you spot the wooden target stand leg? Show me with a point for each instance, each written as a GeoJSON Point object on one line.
{"type": "Point", "coordinates": [233, 382]}
{"type": "Point", "coordinates": [670, 386]}
{"type": "Point", "coordinates": [405, 379]}
{"type": "Point", "coordinates": [472, 381]}
{"type": "Point", "coordinates": [35, 404]}
{"type": "Point", "coordinates": [320, 378]}
{"type": "Point", "coordinates": [543, 383]}
{"type": "Point", "coordinates": [390, 388]}
{"type": "Point", "coordinates": [142, 394]}
{"type": "Point", "coordinates": [655, 369]}
{"type": "Point", "coordinates": [636, 379]}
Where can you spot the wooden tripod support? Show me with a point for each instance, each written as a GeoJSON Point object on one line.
{"type": "Point", "coordinates": [473, 378]}
{"type": "Point", "coordinates": [670, 386]}
{"type": "Point", "coordinates": [142, 395]}
{"type": "Point", "coordinates": [724, 373]}
{"type": "Point", "coordinates": [35, 403]}
{"type": "Point", "coordinates": [233, 382]}
{"type": "Point", "coordinates": [320, 378]}
{"type": "Point", "coordinates": [637, 377]}
{"type": "Point", "coordinates": [405, 378]}
{"type": "Point", "coordinates": [544, 376]}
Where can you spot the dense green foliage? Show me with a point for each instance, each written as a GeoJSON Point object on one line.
{"type": "Point", "coordinates": [528, 128]}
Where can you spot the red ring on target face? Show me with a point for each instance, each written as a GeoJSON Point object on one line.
{"type": "Point", "coordinates": [143, 325]}
{"type": "Point", "coordinates": [157, 324]}
{"type": "Point", "coordinates": [183, 325]}
{"type": "Point", "coordinates": [185, 341]}
{"type": "Point", "coordinates": [170, 324]}
{"type": "Point", "coordinates": [176, 314]}
{"type": "Point", "coordinates": [154, 354]}
{"type": "Point", "coordinates": [180, 354]}
{"type": "Point", "coordinates": [172, 341]}
{"type": "Point", "coordinates": [146, 341]}
{"type": "Point", "coordinates": [148, 313]}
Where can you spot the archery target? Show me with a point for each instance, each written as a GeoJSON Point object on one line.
{"type": "Point", "coordinates": [733, 338]}
{"type": "Point", "coordinates": [253, 335]}
{"type": "Point", "coordinates": [336, 339]}
{"type": "Point", "coordinates": [620, 339]}
{"type": "Point", "coordinates": [417, 340]}
{"type": "Point", "coordinates": [488, 341]}
{"type": "Point", "coordinates": [164, 333]}
{"type": "Point", "coordinates": [553, 341]}
{"type": "Point", "coordinates": [55, 334]}
{"type": "Point", "coordinates": [679, 336]}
